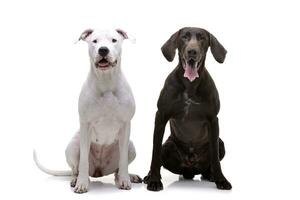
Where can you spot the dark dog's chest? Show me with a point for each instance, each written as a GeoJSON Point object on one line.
{"type": "Point", "coordinates": [190, 122]}
{"type": "Point", "coordinates": [190, 108]}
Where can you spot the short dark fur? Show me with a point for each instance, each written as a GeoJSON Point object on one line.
{"type": "Point", "coordinates": [194, 146]}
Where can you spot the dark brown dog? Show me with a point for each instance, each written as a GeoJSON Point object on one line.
{"type": "Point", "coordinates": [190, 101]}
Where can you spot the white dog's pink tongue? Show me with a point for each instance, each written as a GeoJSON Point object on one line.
{"type": "Point", "coordinates": [190, 73]}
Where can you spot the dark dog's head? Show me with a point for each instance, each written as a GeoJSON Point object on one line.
{"type": "Point", "coordinates": [192, 45]}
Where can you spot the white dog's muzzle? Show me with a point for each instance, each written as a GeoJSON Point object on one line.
{"type": "Point", "coordinates": [105, 63]}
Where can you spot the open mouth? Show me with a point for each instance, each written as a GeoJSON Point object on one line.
{"type": "Point", "coordinates": [104, 64]}
{"type": "Point", "coordinates": [190, 67]}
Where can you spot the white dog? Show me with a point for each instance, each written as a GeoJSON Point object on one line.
{"type": "Point", "coordinates": [106, 107]}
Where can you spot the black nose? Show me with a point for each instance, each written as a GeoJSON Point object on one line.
{"type": "Point", "coordinates": [192, 52]}
{"type": "Point", "coordinates": [103, 51]}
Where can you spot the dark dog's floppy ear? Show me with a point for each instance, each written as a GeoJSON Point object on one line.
{"type": "Point", "coordinates": [217, 50]}
{"type": "Point", "coordinates": [85, 34]}
{"type": "Point", "coordinates": [170, 46]}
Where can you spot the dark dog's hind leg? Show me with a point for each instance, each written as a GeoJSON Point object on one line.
{"type": "Point", "coordinates": [170, 157]}
{"type": "Point", "coordinates": [207, 174]}
{"type": "Point", "coordinates": [221, 149]}
{"type": "Point", "coordinates": [171, 160]}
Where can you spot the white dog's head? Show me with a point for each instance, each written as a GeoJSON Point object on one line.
{"type": "Point", "coordinates": [105, 47]}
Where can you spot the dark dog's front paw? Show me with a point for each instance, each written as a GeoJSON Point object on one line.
{"type": "Point", "coordinates": [154, 185]}
{"type": "Point", "coordinates": [223, 185]}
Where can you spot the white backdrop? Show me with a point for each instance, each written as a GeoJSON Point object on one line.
{"type": "Point", "coordinates": [42, 70]}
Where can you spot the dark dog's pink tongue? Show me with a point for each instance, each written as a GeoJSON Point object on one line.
{"type": "Point", "coordinates": [190, 73]}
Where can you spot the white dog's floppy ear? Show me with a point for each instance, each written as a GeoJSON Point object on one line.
{"type": "Point", "coordinates": [125, 35]}
{"type": "Point", "coordinates": [85, 34]}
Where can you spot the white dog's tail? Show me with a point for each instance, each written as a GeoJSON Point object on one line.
{"type": "Point", "coordinates": [49, 171]}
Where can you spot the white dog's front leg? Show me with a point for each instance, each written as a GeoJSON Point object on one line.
{"type": "Point", "coordinates": [122, 178]}
{"type": "Point", "coordinates": [83, 176]}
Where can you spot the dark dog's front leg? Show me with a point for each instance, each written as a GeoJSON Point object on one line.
{"type": "Point", "coordinates": [153, 178]}
{"type": "Point", "coordinates": [217, 174]}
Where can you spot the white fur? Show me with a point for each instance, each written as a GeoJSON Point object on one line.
{"type": "Point", "coordinates": [106, 107]}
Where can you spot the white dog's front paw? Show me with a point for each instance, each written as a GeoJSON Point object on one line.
{"type": "Point", "coordinates": [82, 185]}
{"type": "Point", "coordinates": [123, 182]}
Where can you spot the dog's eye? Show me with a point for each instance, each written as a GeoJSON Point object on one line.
{"type": "Point", "coordinates": [200, 36]}
{"type": "Point", "coordinates": [114, 40]}
{"type": "Point", "coordinates": [184, 37]}
{"type": "Point", "coordinates": [95, 41]}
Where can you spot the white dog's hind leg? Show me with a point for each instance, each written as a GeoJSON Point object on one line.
{"type": "Point", "coordinates": [134, 178]}
{"type": "Point", "coordinates": [72, 157]}
{"type": "Point", "coordinates": [131, 152]}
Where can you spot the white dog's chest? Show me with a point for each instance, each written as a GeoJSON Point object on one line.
{"type": "Point", "coordinates": [106, 114]}
{"type": "Point", "coordinates": [105, 120]}
{"type": "Point", "coordinates": [105, 130]}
